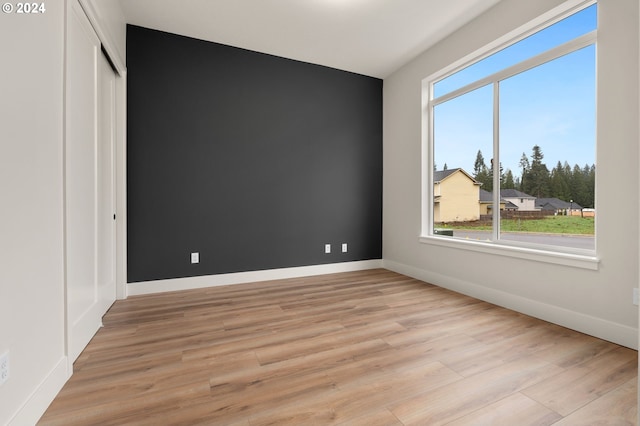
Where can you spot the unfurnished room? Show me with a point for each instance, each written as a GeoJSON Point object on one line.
{"type": "Point", "coordinates": [319, 212]}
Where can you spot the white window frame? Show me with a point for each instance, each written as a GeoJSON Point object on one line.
{"type": "Point", "coordinates": [586, 259]}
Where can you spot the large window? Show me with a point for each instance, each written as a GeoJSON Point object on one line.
{"type": "Point", "coordinates": [511, 142]}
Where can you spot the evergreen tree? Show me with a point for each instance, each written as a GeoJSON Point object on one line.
{"type": "Point", "coordinates": [485, 177]}
{"type": "Point", "coordinates": [590, 202]}
{"type": "Point", "coordinates": [481, 173]}
{"type": "Point", "coordinates": [563, 181]}
{"type": "Point", "coordinates": [509, 182]}
{"type": "Point", "coordinates": [577, 186]}
{"type": "Point", "coordinates": [524, 164]}
{"type": "Point", "coordinates": [587, 196]}
{"type": "Point", "coordinates": [536, 179]}
{"type": "Point", "coordinates": [479, 165]}
{"type": "Point", "coordinates": [558, 184]}
{"type": "Point", "coordinates": [536, 156]}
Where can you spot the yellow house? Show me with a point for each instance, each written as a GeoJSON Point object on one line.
{"type": "Point", "coordinates": [456, 195]}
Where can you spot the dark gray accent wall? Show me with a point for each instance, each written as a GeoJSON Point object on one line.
{"type": "Point", "coordinates": [251, 160]}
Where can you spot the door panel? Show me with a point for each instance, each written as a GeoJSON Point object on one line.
{"type": "Point", "coordinates": [106, 226]}
{"type": "Point", "coordinates": [90, 261]}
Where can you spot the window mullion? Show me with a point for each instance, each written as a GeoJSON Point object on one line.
{"type": "Point", "coordinates": [551, 54]}
{"type": "Point", "coordinates": [428, 153]}
{"type": "Point", "coordinates": [496, 162]}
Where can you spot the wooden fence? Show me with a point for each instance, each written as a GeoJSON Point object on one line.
{"type": "Point", "coordinates": [517, 214]}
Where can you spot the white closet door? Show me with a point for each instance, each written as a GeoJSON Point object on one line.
{"type": "Point", "coordinates": [89, 174]}
{"type": "Point", "coordinates": [106, 277]}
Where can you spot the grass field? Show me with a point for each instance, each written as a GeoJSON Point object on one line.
{"type": "Point", "coordinates": [548, 225]}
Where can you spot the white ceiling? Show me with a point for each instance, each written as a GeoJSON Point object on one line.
{"type": "Point", "coordinates": [370, 37]}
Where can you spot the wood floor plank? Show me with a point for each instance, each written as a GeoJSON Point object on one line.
{"type": "Point", "coordinates": [515, 409]}
{"type": "Point", "coordinates": [587, 381]}
{"type": "Point", "coordinates": [450, 402]}
{"type": "Point", "coordinates": [616, 408]}
{"type": "Point", "coordinates": [358, 348]}
{"type": "Point", "coordinates": [379, 417]}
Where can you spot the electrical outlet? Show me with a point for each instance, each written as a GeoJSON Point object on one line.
{"type": "Point", "coordinates": [4, 367]}
{"type": "Point", "coordinates": [327, 248]}
{"type": "Point", "coordinates": [195, 257]}
{"type": "Point", "coordinates": [635, 296]}
{"type": "Point", "coordinates": [344, 247]}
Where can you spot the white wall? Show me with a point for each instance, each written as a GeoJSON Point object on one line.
{"type": "Point", "coordinates": [596, 302]}
{"type": "Point", "coordinates": [31, 212]}
{"type": "Point", "coordinates": [32, 297]}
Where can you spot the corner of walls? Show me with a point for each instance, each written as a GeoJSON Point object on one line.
{"type": "Point", "coordinates": [597, 327]}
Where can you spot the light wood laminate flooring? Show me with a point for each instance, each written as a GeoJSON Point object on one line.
{"type": "Point", "coordinates": [359, 348]}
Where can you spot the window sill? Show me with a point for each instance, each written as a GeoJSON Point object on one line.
{"type": "Point", "coordinates": [583, 261]}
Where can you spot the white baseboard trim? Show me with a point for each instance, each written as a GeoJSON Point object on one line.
{"type": "Point", "coordinates": [42, 396]}
{"type": "Point", "coordinates": [160, 286]}
{"type": "Point", "coordinates": [593, 326]}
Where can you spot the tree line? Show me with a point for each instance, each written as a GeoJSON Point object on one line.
{"type": "Point", "coordinates": [563, 181]}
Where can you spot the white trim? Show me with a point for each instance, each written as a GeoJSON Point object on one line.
{"type": "Point", "coordinates": [121, 186]}
{"type": "Point", "coordinates": [160, 286]}
{"type": "Point", "coordinates": [547, 19]}
{"type": "Point", "coordinates": [495, 165]}
{"type": "Point", "coordinates": [104, 35]}
{"type": "Point", "coordinates": [594, 326]}
{"type": "Point", "coordinates": [501, 248]}
{"type": "Point", "coordinates": [552, 54]}
{"type": "Point", "coordinates": [427, 162]}
{"type": "Point", "coordinates": [43, 395]}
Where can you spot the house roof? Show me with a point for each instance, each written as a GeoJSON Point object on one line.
{"type": "Point", "coordinates": [440, 175]}
{"type": "Point", "coordinates": [510, 206]}
{"type": "Point", "coordinates": [555, 204]}
{"type": "Point", "coordinates": [486, 196]}
{"type": "Point", "coordinates": [514, 193]}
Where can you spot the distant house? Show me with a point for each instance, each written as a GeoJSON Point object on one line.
{"type": "Point", "coordinates": [559, 207]}
{"type": "Point", "coordinates": [456, 196]}
{"type": "Point", "coordinates": [524, 202]}
{"type": "Point", "coordinates": [486, 203]}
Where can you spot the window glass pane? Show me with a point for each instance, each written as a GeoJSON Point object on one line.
{"type": "Point", "coordinates": [547, 145]}
{"type": "Point", "coordinates": [463, 147]}
{"type": "Point", "coordinates": [569, 28]}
